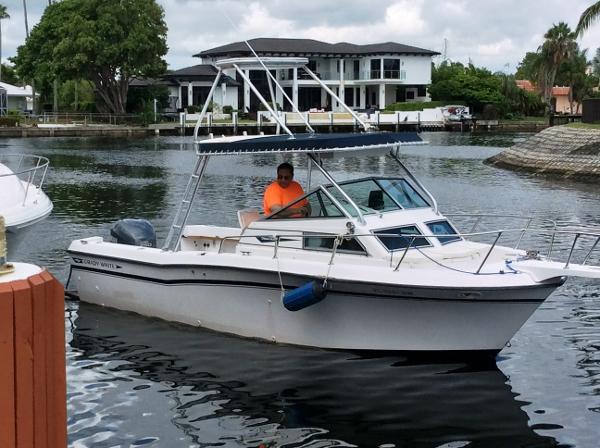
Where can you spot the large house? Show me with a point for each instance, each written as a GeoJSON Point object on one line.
{"type": "Point", "coordinates": [363, 76]}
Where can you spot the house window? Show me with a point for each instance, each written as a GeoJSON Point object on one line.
{"type": "Point", "coordinates": [391, 68]}
{"type": "Point", "coordinates": [349, 97]}
{"type": "Point", "coordinates": [375, 68]}
{"type": "Point", "coordinates": [356, 69]}
{"type": "Point", "coordinates": [410, 94]}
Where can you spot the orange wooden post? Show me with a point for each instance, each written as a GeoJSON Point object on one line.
{"type": "Point", "coordinates": [23, 362]}
{"type": "Point", "coordinates": [32, 346]}
{"type": "Point", "coordinates": [55, 356]}
{"type": "Point", "coordinates": [7, 372]}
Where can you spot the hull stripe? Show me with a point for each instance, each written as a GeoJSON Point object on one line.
{"type": "Point", "coordinates": [248, 284]}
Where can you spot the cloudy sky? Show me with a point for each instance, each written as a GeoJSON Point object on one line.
{"type": "Point", "coordinates": [491, 33]}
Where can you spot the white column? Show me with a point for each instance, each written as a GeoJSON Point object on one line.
{"type": "Point", "coordinates": [324, 95]}
{"type": "Point", "coordinates": [381, 68]}
{"type": "Point", "coordinates": [278, 95]}
{"type": "Point", "coordinates": [342, 89]}
{"type": "Point", "coordinates": [190, 93]}
{"type": "Point", "coordinates": [179, 99]}
{"type": "Point", "coordinates": [246, 105]}
{"type": "Point", "coordinates": [382, 96]}
{"type": "Point", "coordinates": [295, 88]}
{"type": "Point", "coordinates": [363, 97]}
{"type": "Point", "coordinates": [223, 95]}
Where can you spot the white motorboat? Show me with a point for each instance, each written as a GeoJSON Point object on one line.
{"type": "Point", "coordinates": [374, 266]}
{"type": "Point", "coordinates": [22, 201]}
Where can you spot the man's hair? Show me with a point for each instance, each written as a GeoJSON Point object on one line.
{"type": "Point", "coordinates": [286, 166]}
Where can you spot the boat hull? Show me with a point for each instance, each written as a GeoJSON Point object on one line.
{"type": "Point", "coordinates": [354, 315]}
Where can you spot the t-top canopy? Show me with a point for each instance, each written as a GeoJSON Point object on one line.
{"type": "Point", "coordinates": [303, 143]}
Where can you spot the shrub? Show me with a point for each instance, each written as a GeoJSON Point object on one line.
{"type": "Point", "coordinates": [412, 107]}
{"type": "Point", "coordinates": [8, 122]}
{"type": "Point", "coordinates": [490, 112]}
{"type": "Point", "coordinates": [227, 109]}
{"type": "Point", "coordinates": [192, 109]}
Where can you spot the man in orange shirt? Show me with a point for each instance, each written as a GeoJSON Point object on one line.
{"type": "Point", "coordinates": [283, 191]}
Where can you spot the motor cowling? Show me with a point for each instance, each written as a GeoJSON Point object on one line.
{"type": "Point", "coordinates": [135, 232]}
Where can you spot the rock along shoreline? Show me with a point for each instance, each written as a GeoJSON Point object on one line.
{"type": "Point", "coordinates": [559, 150]}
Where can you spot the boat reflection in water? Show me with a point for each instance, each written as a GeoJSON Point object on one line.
{"type": "Point", "coordinates": [135, 380]}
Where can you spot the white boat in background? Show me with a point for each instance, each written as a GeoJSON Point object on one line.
{"type": "Point", "coordinates": [22, 200]}
{"type": "Point", "coordinates": [374, 266]}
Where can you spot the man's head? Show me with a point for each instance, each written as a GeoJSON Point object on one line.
{"type": "Point", "coordinates": [285, 174]}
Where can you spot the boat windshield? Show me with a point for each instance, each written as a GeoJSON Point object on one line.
{"type": "Point", "coordinates": [378, 195]}
{"type": "Point", "coordinates": [371, 195]}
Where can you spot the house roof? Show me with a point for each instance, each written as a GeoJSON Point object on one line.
{"type": "Point", "coordinates": [200, 72]}
{"type": "Point", "coordinates": [560, 91]}
{"type": "Point", "coordinates": [525, 84]}
{"type": "Point", "coordinates": [151, 82]}
{"type": "Point", "coordinates": [16, 90]}
{"type": "Point", "coordinates": [264, 45]}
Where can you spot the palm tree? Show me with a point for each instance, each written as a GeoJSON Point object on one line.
{"type": "Point", "coordinates": [559, 45]}
{"type": "Point", "coordinates": [588, 17]}
{"type": "Point", "coordinates": [3, 15]}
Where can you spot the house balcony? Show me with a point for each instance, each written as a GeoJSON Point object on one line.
{"type": "Point", "coordinates": [365, 75]}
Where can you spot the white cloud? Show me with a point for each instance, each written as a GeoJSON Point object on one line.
{"type": "Point", "coordinates": [404, 18]}
{"type": "Point", "coordinates": [504, 46]}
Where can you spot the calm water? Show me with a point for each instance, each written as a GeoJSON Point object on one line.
{"type": "Point", "coordinates": [134, 381]}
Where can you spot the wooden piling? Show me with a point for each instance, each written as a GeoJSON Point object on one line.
{"type": "Point", "coordinates": [32, 354]}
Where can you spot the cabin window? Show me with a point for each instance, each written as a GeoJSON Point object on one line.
{"type": "Point", "coordinates": [403, 193]}
{"type": "Point", "coordinates": [325, 243]}
{"type": "Point", "coordinates": [443, 228]}
{"type": "Point", "coordinates": [400, 237]}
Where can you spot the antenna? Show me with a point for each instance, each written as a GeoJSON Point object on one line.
{"type": "Point", "coordinates": [445, 52]}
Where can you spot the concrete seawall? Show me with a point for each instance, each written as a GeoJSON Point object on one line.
{"type": "Point", "coordinates": [559, 150]}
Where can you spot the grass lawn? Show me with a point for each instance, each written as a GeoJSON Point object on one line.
{"type": "Point", "coordinates": [584, 125]}
{"type": "Point", "coordinates": [526, 120]}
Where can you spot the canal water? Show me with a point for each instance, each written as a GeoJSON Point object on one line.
{"type": "Point", "coordinates": [135, 381]}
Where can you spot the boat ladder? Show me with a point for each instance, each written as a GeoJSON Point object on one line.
{"type": "Point", "coordinates": [183, 211]}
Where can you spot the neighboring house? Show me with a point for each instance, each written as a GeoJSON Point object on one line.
{"type": "Point", "coordinates": [18, 98]}
{"type": "Point", "coordinates": [363, 76]}
{"type": "Point", "coordinates": [560, 98]}
{"type": "Point", "coordinates": [559, 95]}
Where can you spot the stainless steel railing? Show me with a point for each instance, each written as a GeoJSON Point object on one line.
{"type": "Point", "coordinates": [29, 169]}
{"type": "Point", "coordinates": [576, 234]}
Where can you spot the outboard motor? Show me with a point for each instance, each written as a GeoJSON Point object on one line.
{"type": "Point", "coordinates": [135, 232]}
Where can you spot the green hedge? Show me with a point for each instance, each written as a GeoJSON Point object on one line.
{"type": "Point", "coordinates": [8, 122]}
{"type": "Point", "coordinates": [413, 107]}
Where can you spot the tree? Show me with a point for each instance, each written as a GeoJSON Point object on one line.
{"type": "Point", "coordinates": [589, 16]}
{"type": "Point", "coordinates": [559, 45]}
{"type": "Point", "coordinates": [572, 73]}
{"type": "Point", "coordinates": [454, 82]}
{"type": "Point", "coordinates": [528, 68]}
{"type": "Point", "coordinates": [9, 75]}
{"type": "Point", "coordinates": [3, 15]}
{"type": "Point", "coordinates": [107, 42]}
